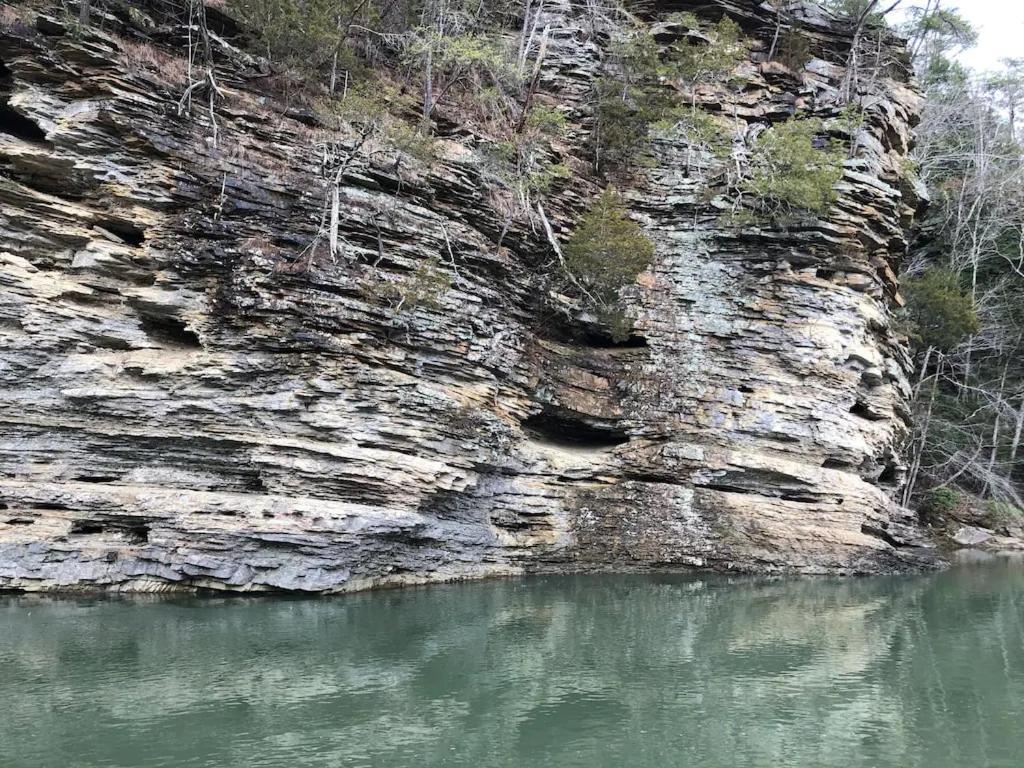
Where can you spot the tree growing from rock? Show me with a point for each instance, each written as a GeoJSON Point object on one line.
{"type": "Point", "coordinates": [606, 252]}
{"type": "Point", "coordinates": [644, 84]}
{"type": "Point", "coordinates": [794, 169]}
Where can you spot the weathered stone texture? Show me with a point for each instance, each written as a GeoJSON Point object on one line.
{"type": "Point", "coordinates": [188, 405]}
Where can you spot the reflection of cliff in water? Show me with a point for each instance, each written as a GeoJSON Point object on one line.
{"type": "Point", "coordinates": [597, 671]}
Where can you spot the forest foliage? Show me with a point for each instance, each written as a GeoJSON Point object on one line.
{"type": "Point", "coordinates": [964, 280]}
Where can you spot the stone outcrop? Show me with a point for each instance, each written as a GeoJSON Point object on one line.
{"type": "Point", "coordinates": [195, 398]}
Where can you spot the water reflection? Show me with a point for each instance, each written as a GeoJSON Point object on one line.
{"type": "Point", "coordinates": [588, 671]}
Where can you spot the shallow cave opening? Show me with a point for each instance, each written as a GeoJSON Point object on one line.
{"type": "Point", "coordinates": [169, 331]}
{"type": "Point", "coordinates": [137, 534]}
{"type": "Point", "coordinates": [800, 498]}
{"type": "Point", "coordinates": [253, 484]}
{"type": "Point", "coordinates": [599, 340]}
{"type": "Point", "coordinates": [13, 123]}
{"type": "Point", "coordinates": [890, 475]}
{"type": "Point", "coordinates": [49, 506]}
{"type": "Point", "coordinates": [96, 478]}
{"type": "Point", "coordinates": [86, 527]}
{"type": "Point", "coordinates": [123, 230]}
{"type": "Point", "coordinates": [564, 428]}
{"type": "Point", "coordinates": [835, 464]}
{"type": "Point", "coordinates": [863, 411]}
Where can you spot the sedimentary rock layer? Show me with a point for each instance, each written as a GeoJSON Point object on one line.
{"type": "Point", "coordinates": [196, 398]}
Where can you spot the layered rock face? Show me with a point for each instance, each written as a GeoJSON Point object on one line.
{"type": "Point", "coordinates": [196, 398]}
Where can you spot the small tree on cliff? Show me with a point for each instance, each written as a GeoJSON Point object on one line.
{"type": "Point", "coordinates": [699, 63]}
{"type": "Point", "coordinates": [942, 314]}
{"type": "Point", "coordinates": [794, 169]}
{"type": "Point", "coordinates": [605, 253]}
{"type": "Point", "coordinates": [636, 92]}
{"type": "Point", "coordinates": [303, 34]}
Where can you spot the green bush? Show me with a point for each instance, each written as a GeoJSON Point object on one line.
{"type": "Point", "coordinates": [699, 129]}
{"type": "Point", "coordinates": [637, 94]}
{"type": "Point", "coordinates": [525, 164]}
{"type": "Point", "coordinates": [363, 103]}
{"type": "Point", "coordinates": [425, 287]}
{"type": "Point", "coordinates": [605, 253]}
{"type": "Point", "coordinates": [699, 62]}
{"type": "Point", "coordinates": [940, 312]}
{"type": "Point", "coordinates": [546, 120]}
{"type": "Point", "coordinates": [470, 51]}
{"type": "Point", "coordinates": [793, 169]}
{"type": "Point", "coordinates": [627, 103]}
{"type": "Point", "coordinates": [377, 105]}
{"type": "Point", "coordinates": [302, 33]}
{"type": "Point", "coordinates": [410, 142]}
{"type": "Point", "coordinates": [939, 503]}
{"type": "Point", "coordinates": [851, 10]}
{"type": "Point", "coordinates": [1000, 514]}
{"type": "Point", "coordinates": [794, 49]}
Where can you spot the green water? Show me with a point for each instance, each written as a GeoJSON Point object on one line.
{"type": "Point", "coordinates": [598, 671]}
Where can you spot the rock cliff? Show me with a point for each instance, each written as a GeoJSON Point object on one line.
{"type": "Point", "coordinates": [194, 398]}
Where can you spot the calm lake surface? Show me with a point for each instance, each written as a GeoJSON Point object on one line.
{"type": "Point", "coordinates": [597, 671]}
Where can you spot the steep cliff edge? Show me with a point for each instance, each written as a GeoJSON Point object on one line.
{"type": "Point", "coordinates": [195, 399]}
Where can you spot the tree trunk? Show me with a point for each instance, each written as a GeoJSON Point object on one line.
{"type": "Point", "coordinates": [521, 54]}
{"type": "Point", "coordinates": [335, 210]}
{"type": "Point", "coordinates": [921, 439]}
{"type": "Point", "coordinates": [428, 89]}
{"type": "Point", "coordinates": [994, 453]}
{"type": "Point", "coordinates": [915, 465]}
{"type": "Point", "coordinates": [1018, 431]}
{"type": "Point", "coordinates": [534, 79]}
{"type": "Point", "coordinates": [778, 28]}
